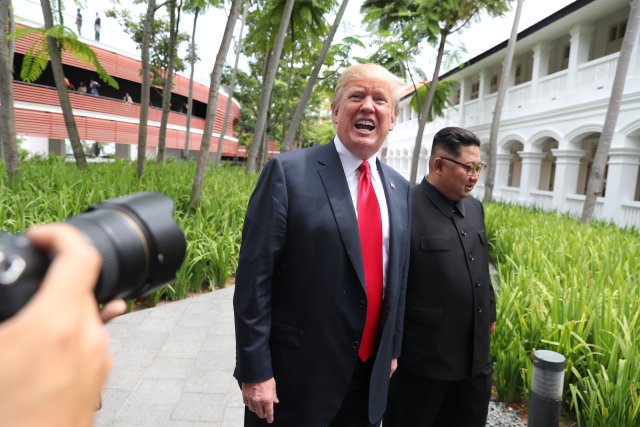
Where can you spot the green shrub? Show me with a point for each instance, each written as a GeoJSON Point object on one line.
{"type": "Point", "coordinates": [574, 289]}
{"type": "Point", "coordinates": [53, 190]}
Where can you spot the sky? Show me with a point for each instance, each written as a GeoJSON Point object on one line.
{"type": "Point", "coordinates": [477, 38]}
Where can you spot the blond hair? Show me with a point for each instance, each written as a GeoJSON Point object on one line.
{"type": "Point", "coordinates": [370, 71]}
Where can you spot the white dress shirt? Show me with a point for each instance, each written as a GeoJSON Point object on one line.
{"type": "Point", "coordinates": [350, 164]}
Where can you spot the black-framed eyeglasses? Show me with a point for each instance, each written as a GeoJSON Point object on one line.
{"type": "Point", "coordinates": [470, 169]}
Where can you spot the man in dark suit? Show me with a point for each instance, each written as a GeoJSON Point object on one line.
{"type": "Point", "coordinates": [321, 279]}
{"type": "Point", "coordinates": [444, 373]}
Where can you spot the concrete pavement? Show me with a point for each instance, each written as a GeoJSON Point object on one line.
{"type": "Point", "coordinates": [173, 366]}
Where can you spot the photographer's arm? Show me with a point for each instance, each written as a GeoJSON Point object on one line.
{"type": "Point", "coordinates": [54, 355]}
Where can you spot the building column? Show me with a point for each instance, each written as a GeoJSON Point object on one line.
{"type": "Point", "coordinates": [531, 163]}
{"type": "Point", "coordinates": [581, 36]}
{"type": "Point", "coordinates": [540, 64]}
{"type": "Point", "coordinates": [464, 86]}
{"type": "Point", "coordinates": [501, 178]}
{"type": "Point", "coordinates": [56, 146]}
{"type": "Point", "coordinates": [152, 152]}
{"type": "Point", "coordinates": [565, 181]}
{"type": "Point", "coordinates": [621, 177]}
{"type": "Point", "coordinates": [123, 151]}
{"type": "Point", "coordinates": [634, 64]}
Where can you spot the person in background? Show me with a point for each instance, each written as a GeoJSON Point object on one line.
{"type": "Point", "coordinates": [127, 98]}
{"type": "Point", "coordinates": [444, 373]}
{"type": "Point", "coordinates": [79, 22]}
{"type": "Point", "coordinates": [68, 84]}
{"type": "Point", "coordinates": [97, 27]}
{"type": "Point", "coordinates": [81, 87]}
{"type": "Point", "coordinates": [54, 356]}
{"type": "Point", "coordinates": [319, 293]}
{"type": "Point", "coordinates": [93, 87]}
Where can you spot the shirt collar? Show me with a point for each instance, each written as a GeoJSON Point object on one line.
{"type": "Point", "coordinates": [446, 206]}
{"type": "Point", "coordinates": [350, 163]}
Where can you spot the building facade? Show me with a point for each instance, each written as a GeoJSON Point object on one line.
{"type": "Point", "coordinates": [557, 98]}
{"type": "Point", "coordinates": [108, 117]}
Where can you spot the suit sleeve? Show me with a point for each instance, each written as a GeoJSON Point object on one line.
{"type": "Point", "coordinates": [397, 338]}
{"type": "Point", "coordinates": [492, 295]}
{"type": "Point", "coordinates": [263, 239]}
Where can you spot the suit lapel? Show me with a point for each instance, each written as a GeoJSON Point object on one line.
{"type": "Point", "coordinates": [394, 203]}
{"type": "Point", "coordinates": [335, 185]}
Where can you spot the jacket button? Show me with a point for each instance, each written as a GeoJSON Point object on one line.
{"type": "Point", "coordinates": [477, 284]}
{"type": "Point", "coordinates": [479, 309]}
{"type": "Point", "coordinates": [355, 345]}
{"type": "Point", "coordinates": [471, 257]}
{"type": "Point", "coordinates": [464, 233]}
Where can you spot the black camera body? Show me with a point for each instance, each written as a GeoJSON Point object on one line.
{"type": "Point", "coordinates": [141, 246]}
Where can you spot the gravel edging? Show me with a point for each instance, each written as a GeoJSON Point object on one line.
{"type": "Point", "coordinates": [502, 416]}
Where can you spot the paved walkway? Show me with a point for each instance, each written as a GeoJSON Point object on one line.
{"type": "Point", "coordinates": [173, 366]}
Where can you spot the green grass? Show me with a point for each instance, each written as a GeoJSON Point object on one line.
{"type": "Point", "coordinates": [53, 190]}
{"type": "Point", "coordinates": [574, 289]}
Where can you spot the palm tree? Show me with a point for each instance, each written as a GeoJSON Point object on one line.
{"type": "Point", "coordinates": [146, 86]}
{"type": "Point", "coordinates": [9, 147]}
{"type": "Point", "coordinates": [197, 6]}
{"type": "Point", "coordinates": [297, 115]}
{"type": "Point", "coordinates": [55, 54]}
{"type": "Point", "coordinates": [497, 112]}
{"type": "Point", "coordinates": [267, 86]}
{"type": "Point", "coordinates": [232, 84]}
{"type": "Point", "coordinates": [594, 185]}
{"type": "Point", "coordinates": [174, 23]}
{"type": "Point", "coordinates": [433, 21]}
{"type": "Point", "coordinates": [214, 86]}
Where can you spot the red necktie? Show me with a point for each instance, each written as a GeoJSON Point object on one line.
{"type": "Point", "coordinates": [370, 227]}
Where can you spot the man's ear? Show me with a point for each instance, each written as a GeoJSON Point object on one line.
{"type": "Point", "coordinates": [334, 113]}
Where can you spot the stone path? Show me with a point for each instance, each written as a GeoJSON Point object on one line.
{"type": "Point", "coordinates": [173, 366]}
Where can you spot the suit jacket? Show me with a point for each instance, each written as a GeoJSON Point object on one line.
{"type": "Point", "coordinates": [450, 299]}
{"type": "Point", "coordinates": [300, 300]}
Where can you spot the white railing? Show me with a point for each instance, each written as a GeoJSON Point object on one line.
{"type": "Point", "coordinates": [509, 194]}
{"type": "Point", "coordinates": [542, 199]}
{"type": "Point", "coordinates": [518, 96]}
{"type": "Point", "coordinates": [598, 72]}
{"type": "Point", "coordinates": [630, 214]}
{"type": "Point", "coordinates": [553, 85]}
{"type": "Point", "coordinates": [472, 112]}
{"type": "Point", "coordinates": [575, 204]}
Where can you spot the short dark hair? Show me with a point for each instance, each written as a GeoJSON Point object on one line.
{"type": "Point", "coordinates": [450, 139]}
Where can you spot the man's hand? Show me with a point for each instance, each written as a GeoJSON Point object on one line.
{"type": "Point", "coordinates": [55, 356]}
{"type": "Point", "coordinates": [492, 327]}
{"type": "Point", "coordinates": [394, 366]}
{"type": "Point", "coordinates": [260, 398]}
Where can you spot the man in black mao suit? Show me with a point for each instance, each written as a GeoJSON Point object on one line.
{"type": "Point", "coordinates": [301, 299]}
{"type": "Point", "coordinates": [444, 373]}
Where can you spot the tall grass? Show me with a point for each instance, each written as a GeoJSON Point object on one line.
{"type": "Point", "coordinates": [574, 289]}
{"type": "Point", "coordinates": [53, 190]}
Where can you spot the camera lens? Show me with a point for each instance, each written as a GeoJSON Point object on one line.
{"type": "Point", "coordinates": [141, 245]}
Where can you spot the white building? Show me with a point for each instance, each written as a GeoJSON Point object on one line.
{"type": "Point", "coordinates": [554, 111]}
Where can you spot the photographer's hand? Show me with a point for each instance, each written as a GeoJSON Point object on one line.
{"type": "Point", "coordinates": [54, 354]}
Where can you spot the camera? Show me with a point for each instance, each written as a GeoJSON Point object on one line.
{"type": "Point", "coordinates": [141, 246]}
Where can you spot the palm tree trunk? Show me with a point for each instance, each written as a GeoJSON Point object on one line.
{"type": "Point", "coordinates": [192, 60]}
{"type": "Point", "coordinates": [497, 112]}
{"type": "Point", "coordinates": [9, 145]}
{"type": "Point", "coordinates": [168, 81]}
{"type": "Point", "coordinates": [594, 185]}
{"type": "Point", "coordinates": [232, 84]}
{"type": "Point", "coordinates": [267, 86]}
{"type": "Point", "coordinates": [216, 74]}
{"type": "Point", "coordinates": [58, 76]}
{"type": "Point", "coordinates": [426, 108]}
{"type": "Point", "coordinates": [146, 87]}
{"type": "Point", "coordinates": [297, 115]}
